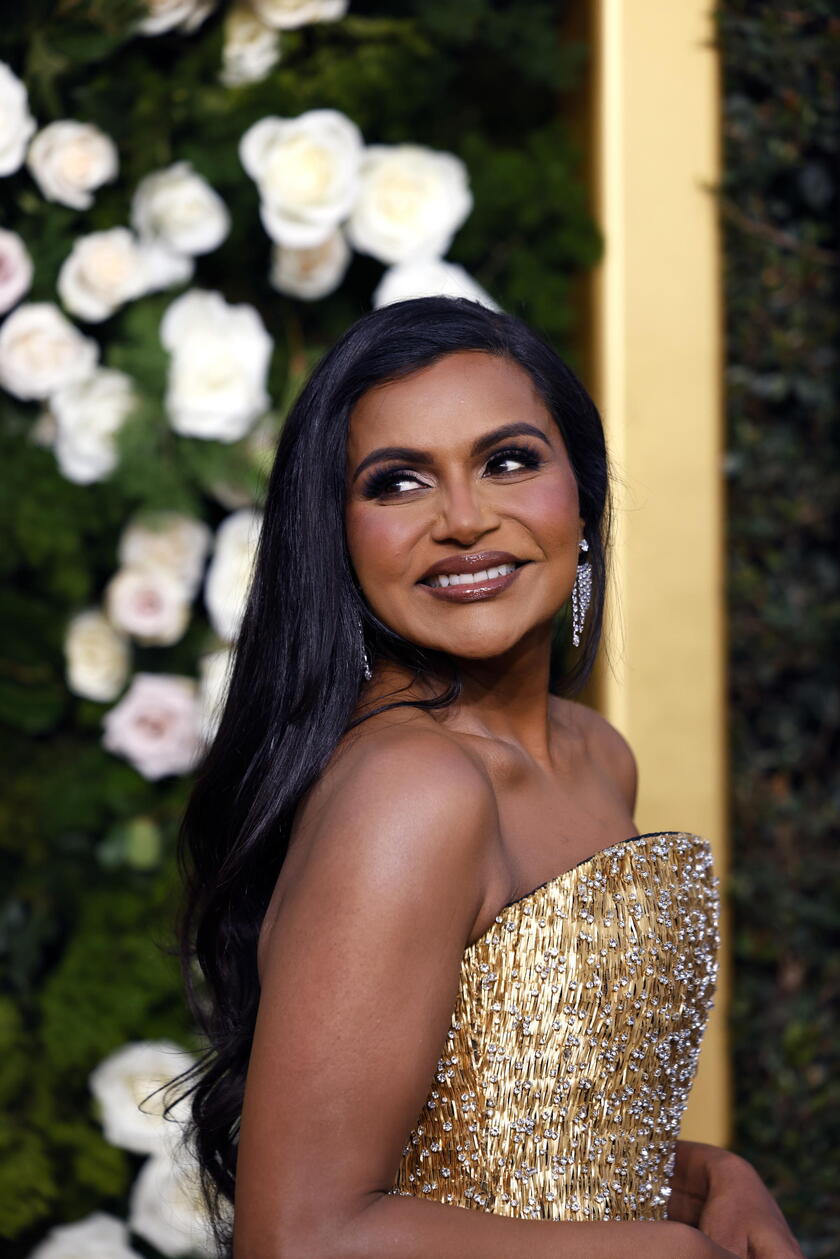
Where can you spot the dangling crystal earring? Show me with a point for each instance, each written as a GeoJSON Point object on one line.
{"type": "Point", "coordinates": [581, 595]}
{"type": "Point", "coordinates": [366, 669]}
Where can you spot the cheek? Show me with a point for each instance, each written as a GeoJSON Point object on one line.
{"type": "Point", "coordinates": [379, 547]}
{"type": "Point", "coordinates": [551, 512]}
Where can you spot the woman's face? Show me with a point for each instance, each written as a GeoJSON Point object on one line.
{"type": "Point", "coordinates": [453, 472]}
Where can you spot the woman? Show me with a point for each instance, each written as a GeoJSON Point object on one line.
{"type": "Point", "coordinates": [415, 887]}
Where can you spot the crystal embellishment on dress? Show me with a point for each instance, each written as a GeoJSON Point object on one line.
{"type": "Point", "coordinates": [574, 1041]}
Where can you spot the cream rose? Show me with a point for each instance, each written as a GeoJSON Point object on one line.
{"type": "Point", "coordinates": [251, 49]}
{"type": "Point", "coordinates": [165, 15]}
{"type": "Point", "coordinates": [213, 679]}
{"type": "Point", "coordinates": [307, 173]}
{"type": "Point", "coordinates": [167, 541]}
{"type": "Point", "coordinates": [219, 366]}
{"type": "Point", "coordinates": [157, 725]}
{"type": "Point", "coordinates": [40, 351]}
{"type": "Point", "coordinates": [411, 202]}
{"type": "Point", "coordinates": [16, 122]}
{"type": "Point", "coordinates": [287, 14]}
{"type": "Point", "coordinates": [177, 208]}
{"type": "Point", "coordinates": [164, 269]}
{"type": "Point", "coordinates": [150, 604]}
{"type": "Point", "coordinates": [429, 277]}
{"type": "Point", "coordinates": [15, 269]}
{"type": "Point", "coordinates": [166, 1207]}
{"type": "Point", "coordinates": [69, 160]}
{"type": "Point", "coordinates": [88, 415]}
{"type": "Point", "coordinates": [259, 448]}
{"type": "Point", "coordinates": [97, 657]}
{"type": "Point", "coordinates": [229, 575]}
{"type": "Point", "coordinates": [311, 273]}
{"type": "Point", "coordinates": [102, 271]}
{"type": "Point", "coordinates": [97, 1236]}
{"type": "Point", "coordinates": [121, 1085]}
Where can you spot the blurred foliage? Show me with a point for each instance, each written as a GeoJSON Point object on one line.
{"type": "Point", "coordinates": [86, 844]}
{"type": "Point", "coordinates": [780, 215]}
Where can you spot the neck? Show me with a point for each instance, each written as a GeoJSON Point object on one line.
{"type": "Point", "coordinates": [505, 698]}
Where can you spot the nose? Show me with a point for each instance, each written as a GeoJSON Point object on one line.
{"type": "Point", "coordinates": [465, 514]}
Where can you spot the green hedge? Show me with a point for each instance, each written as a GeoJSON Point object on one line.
{"type": "Point", "coordinates": [780, 211]}
{"type": "Point", "coordinates": [86, 855]}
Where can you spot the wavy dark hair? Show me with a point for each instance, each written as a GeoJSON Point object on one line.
{"type": "Point", "coordinates": [296, 677]}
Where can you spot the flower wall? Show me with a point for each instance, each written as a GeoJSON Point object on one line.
{"type": "Point", "coordinates": [197, 199]}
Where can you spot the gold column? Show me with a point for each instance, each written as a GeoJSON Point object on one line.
{"type": "Point", "coordinates": [657, 360]}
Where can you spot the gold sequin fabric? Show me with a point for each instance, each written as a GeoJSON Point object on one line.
{"type": "Point", "coordinates": [574, 1041]}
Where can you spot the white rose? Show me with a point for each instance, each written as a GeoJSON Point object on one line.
{"type": "Point", "coordinates": [15, 269]}
{"type": "Point", "coordinates": [311, 273]}
{"type": "Point", "coordinates": [259, 449]}
{"type": "Point", "coordinates": [121, 1084]}
{"type": "Point", "coordinates": [307, 173]}
{"type": "Point", "coordinates": [164, 15]}
{"type": "Point", "coordinates": [164, 269]}
{"type": "Point", "coordinates": [287, 14]}
{"type": "Point", "coordinates": [166, 1206]}
{"type": "Point", "coordinates": [16, 122]}
{"type": "Point", "coordinates": [157, 725]}
{"type": "Point", "coordinates": [429, 277]}
{"type": "Point", "coordinates": [150, 604]}
{"type": "Point", "coordinates": [251, 49]}
{"type": "Point", "coordinates": [168, 541]}
{"type": "Point", "coordinates": [220, 359]}
{"type": "Point", "coordinates": [411, 202]}
{"type": "Point", "coordinates": [179, 209]}
{"type": "Point", "coordinates": [88, 415]}
{"type": "Point", "coordinates": [102, 271]}
{"type": "Point", "coordinates": [97, 657]}
{"type": "Point", "coordinates": [229, 574]}
{"type": "Point", "coordinates": [69, 160]}
{"type": "Point", "coordinates": [40, 351]}
{"type": "Point", "coordinates": [214, 677]}
{"type": "Point", "coordinates": [97, 1236]}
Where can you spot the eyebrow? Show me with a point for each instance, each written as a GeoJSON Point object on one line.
{"type": "Point", "coordinates": [408, 454]}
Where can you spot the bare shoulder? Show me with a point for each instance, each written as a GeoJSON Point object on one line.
{"type": "Point", "coordinates": [402, 767]}
{"type": "Point", "coordinates": [402, 816]}
{"type": "Point", "coordinates": [606, 745]}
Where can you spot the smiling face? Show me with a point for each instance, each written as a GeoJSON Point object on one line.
{"type": "Point", "coordinates": [459, 471]}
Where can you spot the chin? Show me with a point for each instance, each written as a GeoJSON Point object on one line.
{"type": "Point", "coordinates": [477, 648]}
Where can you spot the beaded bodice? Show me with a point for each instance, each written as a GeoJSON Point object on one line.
{"type": "Point", "coordinates": [574, 1040]}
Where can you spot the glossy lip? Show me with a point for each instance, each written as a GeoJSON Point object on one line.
{"type": "Point", "coordinates": [473, 593]}
{"type": "Point", "coordinates": [472, 563]}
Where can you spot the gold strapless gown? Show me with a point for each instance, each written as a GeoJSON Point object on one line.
{"type": "Point", "coordinates": [574, 1040]}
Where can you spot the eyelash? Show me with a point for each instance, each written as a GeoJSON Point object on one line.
{"type": "Point", "coordinates": [377, 483]}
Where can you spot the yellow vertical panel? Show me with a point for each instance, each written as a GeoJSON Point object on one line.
{"type": "Point", "coordinates": [657, 353]}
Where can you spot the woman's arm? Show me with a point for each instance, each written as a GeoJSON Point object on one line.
{"type": "Point", "coordinates": [722, 1194]}
{"type": "Point", "coordinates": [360, 977]}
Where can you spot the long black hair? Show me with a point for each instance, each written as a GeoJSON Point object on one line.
{"type": "Point", "coordinates": [297, 675]}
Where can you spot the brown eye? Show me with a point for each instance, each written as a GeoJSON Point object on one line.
{"type": "Point", "coordinates": [513, 459]}
{"type": "Point", "coordinates": [393, 482]}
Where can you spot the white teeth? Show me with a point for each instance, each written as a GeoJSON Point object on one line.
{"type": "Point", "coordinates": [470, 579]}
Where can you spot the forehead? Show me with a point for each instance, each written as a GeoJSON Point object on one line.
{"type": "Point", "coordinates": [448, 404]}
